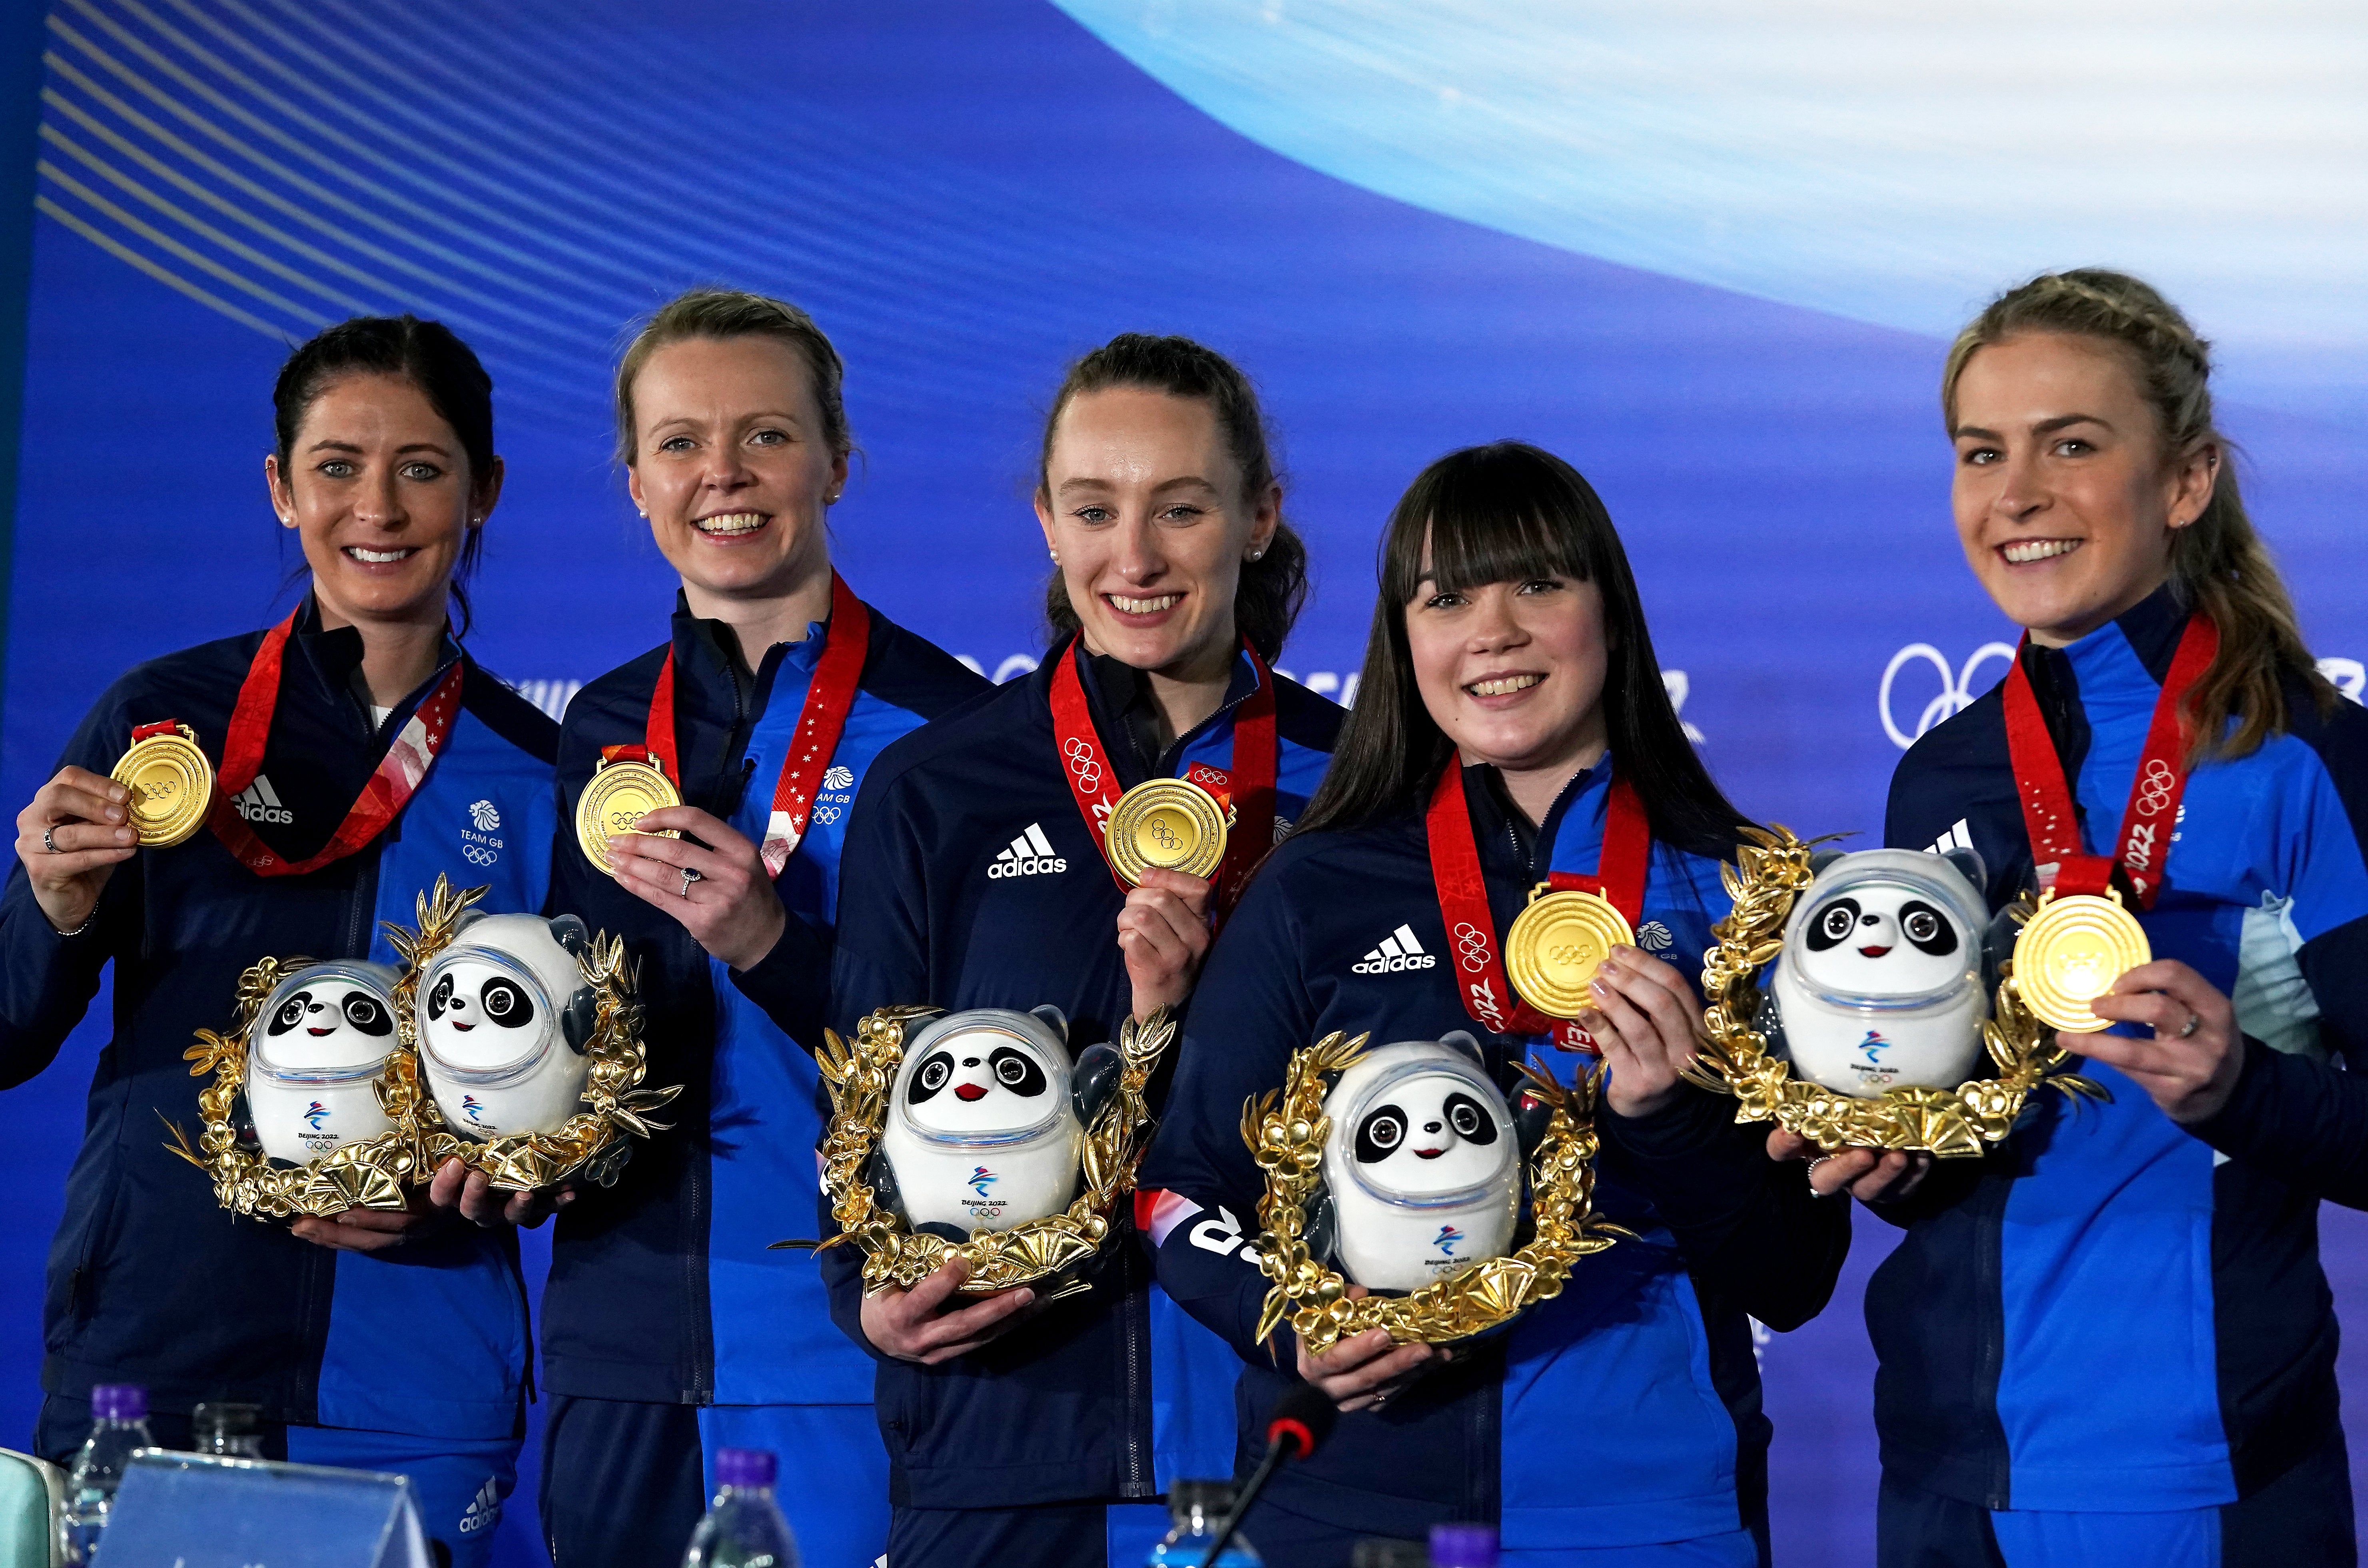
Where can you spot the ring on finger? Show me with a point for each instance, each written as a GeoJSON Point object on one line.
{"type": "Point", "coordinates": [690, 875]}
{"type": "Point", "coordinates": [1812, 1174]}
{"type": "Point", "coordinates": [2195, 1022]}
{"type": "Point", "coordinates": [49, 840]}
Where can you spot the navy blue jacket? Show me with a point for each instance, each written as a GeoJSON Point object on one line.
{"type": "Point", "coordinates": [428, 1338]}
{"type": "Point", "coordinates": [1112, 1393]}
{"type": "Point", "coordinates": [662, 1288]}
{"type": "Point", "coordinates": [1625, 1410]}
{"type": "Point", "coordinates": [2111, 1313]}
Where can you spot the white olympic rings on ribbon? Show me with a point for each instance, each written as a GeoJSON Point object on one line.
{"type": "Point", "coordinates": [1471, 946]}
{"type": "Point", "coordinates": [1083, 762]}
{"type": "Point", "coordinates": [2154, 790]}
{"type": "Point", "coordinates": [1957, 691]}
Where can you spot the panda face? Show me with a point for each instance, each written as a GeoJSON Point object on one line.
{"type": "Point", "coordinates": [982, 1082]}
{"type": "Point", "coordinates": [479, 1014]}
{"type": "Point", "coordinates": [327, 1024]}
{"type": "Point", "coordinates": [1883, 939]}
{"type": "Point", "coordinates": [1429, 1135]}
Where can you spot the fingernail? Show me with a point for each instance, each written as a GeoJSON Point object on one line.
{"type": "Point", "coordinates": [122, 835]}
{"type": "Point", "coordinates": [563, 1201]}
{"type": "Point", "coordinates": [118, 792]}
{"type": "Point", "coordinates": [115, 813]}
{"type": "Point", "coordinates": [1026, 1298]}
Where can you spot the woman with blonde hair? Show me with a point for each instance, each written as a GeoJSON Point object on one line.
{"type": "Point", "coordinates": [2111, 1341]}
{"type": "Point", "coordinates": [672, 1330]}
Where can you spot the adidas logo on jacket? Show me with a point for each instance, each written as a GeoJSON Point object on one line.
{"type": "Point", "coordinates": [1029, 855]}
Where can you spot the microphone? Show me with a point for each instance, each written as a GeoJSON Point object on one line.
{"type": "Point", "coordinates": [1297, 1425]}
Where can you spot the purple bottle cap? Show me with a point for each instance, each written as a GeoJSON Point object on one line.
{"type": "Point", "coordinates": [745, 1467]}
{"type": "Point", "coordinates": [118, 1401]}
{"type": "Point", "coordinates": [1463, 1546]}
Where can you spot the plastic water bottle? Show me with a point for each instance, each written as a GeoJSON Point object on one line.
{"type": "Point", "coordinates": [743, 1528]}
{"type": "Point", "coordinates": [1196, 1511]}
{"type": "Point", "coordinates": [1463, 1546]}
{"type": "Point", "coordinates": [118, 1424]}
{"type": "Point", "coordinates": [228, 1430]}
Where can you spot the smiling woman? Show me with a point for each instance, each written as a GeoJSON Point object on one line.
{"type": "Point", "coordinates": [2162, 752]}
{"type": "Point", "coordinates": [361, 754]}
{"type": "Point", "coordinates": [760, 714]}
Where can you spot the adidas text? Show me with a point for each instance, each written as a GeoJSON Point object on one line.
{"type": "Point", "coordinates": [1029, 855]}
{"type": "Point", "coordinates": [260, 803]}
{"type": "Point", "coordinates": [1398, 952]}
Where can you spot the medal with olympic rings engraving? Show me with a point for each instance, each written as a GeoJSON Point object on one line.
{"type": "Point", "coordinates": [2071, 951]}
{"type": "Point", "coordinates": [618, 795]}
{"type": "Point", "coordinates": [1165, 822]}
{"type": "Point", "coordinates": [1556, 945]}
{"type": "Point", "coordinates": [171, 784]}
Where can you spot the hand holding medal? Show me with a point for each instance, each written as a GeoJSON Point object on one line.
{"type": "Point", "coordinates": [71, 839]}
{"type": "Point", "coordinates": [1181, 847]}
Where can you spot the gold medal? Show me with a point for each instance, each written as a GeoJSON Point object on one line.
{"type": "Point", "coordinates": [2072, 951]}
{"type": "Point", "coordinates": [172, 786]}
{"type": "Point", "coordinates": [1557, 944]}
{"type": "Point", "coordinates": [1165, 822]}
{"type": "Point", "coordinates": [619, 794]}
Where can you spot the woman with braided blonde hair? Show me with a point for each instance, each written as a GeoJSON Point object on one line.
{"type": "Point", "coordinates": [2111, 1342]}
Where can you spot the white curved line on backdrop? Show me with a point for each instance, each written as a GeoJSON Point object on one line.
{"type": "Point", "coordinates": [1892, 163]}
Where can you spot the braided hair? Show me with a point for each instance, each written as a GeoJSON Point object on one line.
{"type": "Point", "coordinates": [2218, 563]}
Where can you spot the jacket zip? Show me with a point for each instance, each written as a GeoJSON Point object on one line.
{"type": "Point", "coordinates": [1134, 1307]}
{"type": "Point", "coordinates": [702, 1306]}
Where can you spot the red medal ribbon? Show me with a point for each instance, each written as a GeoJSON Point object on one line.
{"type": "Point", "coordinates": [830, 696]}
{"type": "Point", "coordinates": [1463, 900]}
{"type": "Point", "coordinates": [161, 727]}
{"type": "Point", "coordinates": [1093, 779]}
{"type": "Point", "coordinates": [408, 759]}
{"type": "Point", "coordinates": [2047, 808]}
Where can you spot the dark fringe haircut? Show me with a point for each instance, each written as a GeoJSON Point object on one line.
{"type": "Point", "coordinates": [1495, 514]}
{"type": "Point", "coordinates": [1273, 588]}
{"type": "Point", "coordinates": [431, 358]}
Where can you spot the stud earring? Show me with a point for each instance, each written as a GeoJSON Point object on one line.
{"type": "Point", "coordinates": [1055, 555]}
{"type": "Point", "coordinates": [1257, 554]}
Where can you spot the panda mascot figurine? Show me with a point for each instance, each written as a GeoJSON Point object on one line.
{"type": "Point", "coordinates": [986, 1121]}
{"type": "Point", "coordinates": [1422, 1170]}
{"type": "Point", "coordinates": [504, 1017]}
{"type": "Point", "coordinates": [1882, 982]}
{"type": "Point", "coordinates": [312, 1061]}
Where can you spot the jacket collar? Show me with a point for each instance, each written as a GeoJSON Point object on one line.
{"type": "Point", "coordinates": [332, 658]}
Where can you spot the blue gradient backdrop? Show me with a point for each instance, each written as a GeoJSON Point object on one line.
{"type": "Point", "coordinates": [965, 198]}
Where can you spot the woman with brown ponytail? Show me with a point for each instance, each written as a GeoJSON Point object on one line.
{"type": "Point", "coordinates": [2109, 1342]}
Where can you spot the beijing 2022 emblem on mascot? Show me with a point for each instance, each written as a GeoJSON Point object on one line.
{"type": "Point", "coordinates": [1401, 1170]}
{"type": "Point", "coordinates": [1888, 993]}
{"type": "Point", "coordinates": [978, 1134]}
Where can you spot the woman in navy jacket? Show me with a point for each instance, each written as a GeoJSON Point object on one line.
{"type": "Point", "coordinates": [374, 1340]}
{"type": "Point", "coordinates": [1510, 696]}
{"type": "Point", "coordinates": [2109, 1342]}
{"type": "Point", "coordinates": [974, 876]}
{"type": "Point", "coordinates": [671, 1327]}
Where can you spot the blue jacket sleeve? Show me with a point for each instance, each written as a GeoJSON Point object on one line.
{"type": "Point", "coordinates": [1747, 1225]}
{"type": "Point", "coordinates": [47, 980]}
{"type": "Point", "coordinates": [1199, 1187]}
